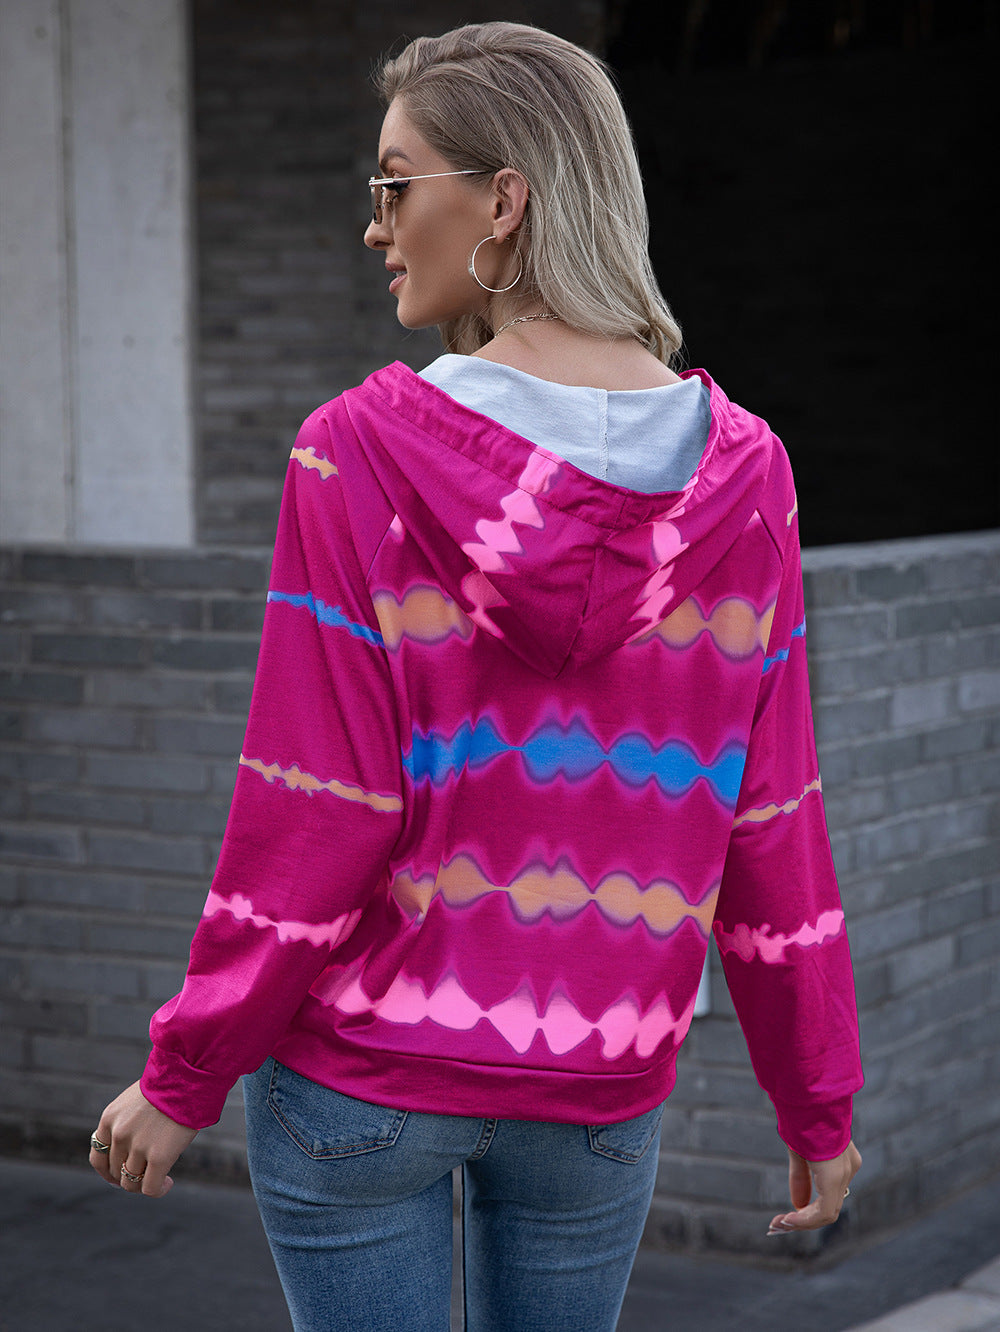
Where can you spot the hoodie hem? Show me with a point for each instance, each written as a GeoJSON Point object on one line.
{"type": "Point", "coordinates": [438, 1085]}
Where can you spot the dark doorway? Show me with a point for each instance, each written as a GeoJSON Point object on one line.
{"type": "Point", "coordinates": [821, 227]}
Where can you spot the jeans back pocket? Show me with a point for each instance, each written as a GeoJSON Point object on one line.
{"type": "Point", "coordinates": [629, 1140]}
{"type": "Point", "coordinates": [326, 1124]}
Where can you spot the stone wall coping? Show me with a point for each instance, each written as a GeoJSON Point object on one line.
{"type": "Point", "coordinates": [848, 555]}
{"type": "Point", "coordinates": [899, 552]}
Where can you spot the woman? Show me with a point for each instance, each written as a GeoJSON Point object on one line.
{"type": "Point", "coordinates": [531, 717]}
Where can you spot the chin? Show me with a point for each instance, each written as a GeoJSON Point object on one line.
{"type": "Point", "coordinates": [416, 314]}
{"type": "Point", "coordinates": [414, 321]}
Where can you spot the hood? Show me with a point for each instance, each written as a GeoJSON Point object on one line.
{"type": "Point", "coordinates": [560, 566]}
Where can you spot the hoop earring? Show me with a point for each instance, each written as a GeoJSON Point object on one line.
{"type": "Point", "coordinates": [473, 273]}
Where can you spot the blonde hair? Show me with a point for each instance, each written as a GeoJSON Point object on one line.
{"type": "Point", "coordinates": [493, 95]}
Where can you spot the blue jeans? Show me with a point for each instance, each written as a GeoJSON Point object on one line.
{"type": "Point", "coordinates": [356, 1201]}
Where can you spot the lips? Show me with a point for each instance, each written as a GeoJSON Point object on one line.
{"type": "Point", "coordinates": [399, 272]}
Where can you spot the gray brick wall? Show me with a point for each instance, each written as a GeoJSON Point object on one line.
{"type": "Point", "coordinates": [904, 642]}
{"type": "Point", "coordinates": [125, 684]}
{"type": "Point", "coordinates": [292, 308]}
{"type": "Point", "coordinates": [123, 696]}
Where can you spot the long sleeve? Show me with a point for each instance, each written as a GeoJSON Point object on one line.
{"type": "Point", "coordinates": [316, 809]}
{"type": "Point", "coordinates": [779, 921]}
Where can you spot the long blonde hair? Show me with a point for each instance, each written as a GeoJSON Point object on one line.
{"type": "Point", "coordinates": [493, 95]}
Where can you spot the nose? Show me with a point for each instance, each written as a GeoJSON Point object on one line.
{"type": "Point", "coordinates": [377, 235]}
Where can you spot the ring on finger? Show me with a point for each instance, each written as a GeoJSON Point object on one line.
{"type": "Point", "coordinates": [133, 1179]}
{"type": "Point", "coordinates": [98, 1146]}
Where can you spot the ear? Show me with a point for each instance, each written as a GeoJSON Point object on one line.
{"type": "Point", "coordinates": [509, 200]}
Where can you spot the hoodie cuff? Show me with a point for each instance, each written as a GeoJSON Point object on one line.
{"type": "Point", "coordinates": [816, 1132]}
{"type": "Point", "coordinates": [188, 1095]}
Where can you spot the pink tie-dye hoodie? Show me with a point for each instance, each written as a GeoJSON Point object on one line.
{"type": "Point", "coordinates": [520, 740]}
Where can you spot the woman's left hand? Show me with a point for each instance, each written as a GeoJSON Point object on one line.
{"type": "Point", "coordinates": [817, 1189]}
{"type": "Point", "coordinates": [143, 1144]}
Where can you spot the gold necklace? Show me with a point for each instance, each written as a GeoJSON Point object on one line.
{"type": "Point", "coordinates": [524, 319]}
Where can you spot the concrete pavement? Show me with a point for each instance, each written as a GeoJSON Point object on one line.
{"type": "Point", "coordinates": [78, 1256]}
{"type": "Point", "coordinates": [973, 1304]}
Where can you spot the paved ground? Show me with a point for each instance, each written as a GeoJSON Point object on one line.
{"type": "Point", "coordinates": [77, 1256]}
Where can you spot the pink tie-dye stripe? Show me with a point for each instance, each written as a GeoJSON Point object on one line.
{"type": "Point", "coordinates": [771, 948]}
{"type": "Point", "coordinates": [516, 1018]}
{"type": "Point", "coordinates": [327, 934]}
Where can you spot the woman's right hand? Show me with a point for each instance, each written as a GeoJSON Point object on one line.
{"type": "Point", "coordinates": [144, 1143]}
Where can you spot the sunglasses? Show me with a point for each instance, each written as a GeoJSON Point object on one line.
{"type": "Point", "coordinates": [387, 189]}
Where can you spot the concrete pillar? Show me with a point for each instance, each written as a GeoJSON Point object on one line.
{"type": "Point", "coordinates": [96, 273]}
{"type": "Point", "coordinates": [35, 444]}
